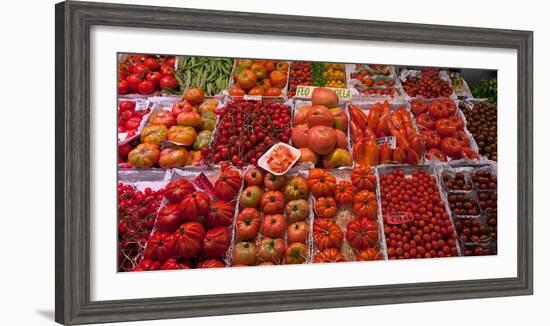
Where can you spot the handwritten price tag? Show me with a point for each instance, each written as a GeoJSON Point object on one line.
{"type": "Point", "coordinates": [388, 139]}
{"type": "Point", "coordinates": [252, 97]}
{"type": "Point", "coordinates": [398, 217]}
{"type": "Point", "coordinates": [306, 91]}
{"type": "Point", "coordinates": [202, 182]}
{"type": "Point", "coordinates": [468, 104]}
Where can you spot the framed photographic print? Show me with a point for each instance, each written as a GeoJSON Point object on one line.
{"type": "Point", "coordinates": [214, 162]}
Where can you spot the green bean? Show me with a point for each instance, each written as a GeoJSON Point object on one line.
{"type": "Point", "coordinates": [210, 74]}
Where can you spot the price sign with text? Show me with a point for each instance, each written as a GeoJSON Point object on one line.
{"type": "Point", "coordinates": [398, 217]}
{"type": "Point", "coordinates": [305, 92]}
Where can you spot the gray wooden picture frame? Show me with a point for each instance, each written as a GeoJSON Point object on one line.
{"type": "Point", "coordinates": [72, 152]}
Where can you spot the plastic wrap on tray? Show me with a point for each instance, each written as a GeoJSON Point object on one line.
{"type": "Point", "coordinates": [402, 220]}
{"type": "Point", "coordinates": [344, 215]}
{"type": "Point", "coordinates": [256, 241]}
{"type": "Point", "coordinates": [140, 105]}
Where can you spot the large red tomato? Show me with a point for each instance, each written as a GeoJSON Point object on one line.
{"type": "Point", "coordinates": [325, 207]}
{"type": "Point", "coordinates": [169, 218]}
{"type": "Point", "coordinates": [173, 157]}
{"type": "Point", "coordinates": [247, 224]}
{"type": "Point", "coordinates": [321, 139]}
{"type": "Point", "coordinates": [176, 190]}
{"type": "Point", "coordinates": [273, 202]}
{"type": "Point", "coordinates": [244, 253]}
{"type": "Point", "coordinates": [324, 96]}
{"type": "Point", "coordinates": [367, 254]}
{"type": "Point", "coordinates": [246, 79]}
{"type": "Point", "coordinates": [216, 242]}
{"type": "Point", "coordinates": [363, 178]}
{"type": "Point", "coordinates": [195, 206]}
{"type": "Point", "coordinates": [298, 232]}
{"type": "Point", "coordinates": [344, 193]}
{"type": "Point", "coordinates": [297, 210]}
{"type": "Point", "coordinates": [321, 183]}
{"type": "Point", "coordinates": [362, 233]}
{"type": "Point", "coordinates": [228, 184]}
{"type": "Point", "coordinates": [364, 204]}
{"type": "Point", "coordinates": [327, 234]}
{"type": "Point", "coordinates": [188, 240]}
{"type": "Point", "coordinates": [272, 250]}
{"type": "Point", "coordinates": [175, 263]}
{"type": "Point", "coordinates": [160, 246]}
{"type": "Point", "coordinates": [221, 214]}
{"type": "Point", "coordinates": [329, 255]}
{"type": "Point", "coordinates": [210, 263]}
{"type": "Point", "coordinates": [273, 225]}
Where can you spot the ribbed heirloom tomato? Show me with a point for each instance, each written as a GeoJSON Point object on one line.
{"type": "Point", "coordinates": [169, 218]}
{"type": "Point", "coordinates": [216, 242]}
{"type": "Point", "coordinates": [296, 253]}
{"type": "Point", "coordinates": [365, 205]}
{"type": "Point", "coordinates": [325, 207]}
{"type": "Point", "coordinates": [272, 202]}
{"type": "Point", "coordinates": [160, 246]}
{"type": "Point", "coordinates": [363, 178]}
{"type": "Point", "coordinates": [210, 263]}
{"type": "Point", "coordinates": [271, 249]}
{"type": "Point", "coordinates": [175, 191]}
{"type": "Point", "coordinates": [321, 183]}
{"type": "Point", "coordinates": [367, 254]}
{"type": "Point", "coordinates": [188, 240]}
{"type": "Point", "coordinates": [195, 206]}
{"type": "Point", "coordinates": [297, 210]}
{"type": "Point", "coordinates": [327, 234]}
{"type": "Point", "coordinates": [329, 255]}
{"type": "Point", "coordinates": [362, 233]}
{"type": "Point", "coordinates": [221, 214]}
{"type": "Point", "coordinates": [175, 263]}
{"type": "Point", "coordinates": [144, 156]}
{"type": "Point", "coordinates": [228, 184]}
{"type": "Point", "coordinates": [296, 188]}
{"type": "Point", "coordinates": [344, 193]}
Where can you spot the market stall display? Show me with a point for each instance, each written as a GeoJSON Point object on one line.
{"type": "Point", "coordinates": [230, 167]}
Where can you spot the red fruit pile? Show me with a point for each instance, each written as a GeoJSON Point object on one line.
{"type": "Point", "coordinates": [136, 217]}
{"type": "Point", "coordinates": [129, 119]}
{"type": "Point", "coordinates": [443, 130]}
{"type": "Point", "coordinates": [247, 129]}
{"type": "Point", "coordinates": [145, 74]}
{"type": "Point", "coordinates": [429, 231]}
{"type": "Point", "coordinates": [192, 229]}
{"type": "Point", "coordinates": [300, 74]}
{"type": "Point", "coordinates": [429, 85]}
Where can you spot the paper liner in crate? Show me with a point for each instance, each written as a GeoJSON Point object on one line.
{"type": "Point", "coordinates": [259, 236]}
{"type": "Point", "coordinates": [408, 170]}
{"type": "Point", "coordinates": [141, 104]}
{"type": "Point", "coordinates": [443, 74]}
{"type": "Point", "coordinates": [343, 216]}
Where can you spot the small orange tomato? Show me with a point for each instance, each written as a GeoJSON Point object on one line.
{"type": "Point", "coordinates": [270, 65]}
{"type": "Point", "coordinates": [256, 91]}
{"type": "Point", "coordinates": [194, 95]}
{"type": "Point", "coordinates": [278, 78]}
{"type": "Point", "coordinates": [236, 91]}
{"type": "Point", "coordinates": [264, 84]}
{"type": "Point", "coordinates": [282, 66]}
{"type": "Point", "coordinates": [273, 91]}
